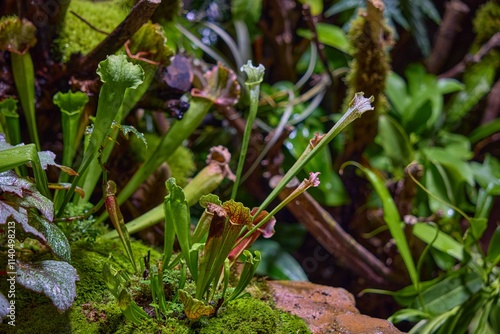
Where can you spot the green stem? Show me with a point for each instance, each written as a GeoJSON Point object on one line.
{"type": "Point", "coordinates": [255, 77]}
{"type": "Point", "coordinates": [179, 131]}
{"type": "Point", "coordinates": [356, 108]}
{"type": "Point", "coordinates": [24, 79]}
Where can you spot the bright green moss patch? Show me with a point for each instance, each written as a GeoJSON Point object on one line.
{"type": "Point", "coordinates": [247, 315]}
{"type": "Point", "coordinates": [78, 37]}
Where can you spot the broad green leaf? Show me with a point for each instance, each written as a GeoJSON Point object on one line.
{"type": "Point", "coordinates": [442, 259]}
{"type": "Point", "coordinates": [446, 86]}
{"type": "Point", "coordinates": [449, 293]}
{"type": "Point", "coordinates": [439, 184]}
{"type": "Point", "coordinates": [456, 145]}
{"type": "Point", "coordinates": [55, 279]}
{"type": "Point", "coordinates": [487, 174]}
{"type": "Point", "coordinates": [393, 138]}
{"type": "Point", "coordinates": [458, 168]}
{"type": "Point", "coordinates": [478, 226]}
{"type": "Point", "coordinates": [443, 242]}
{"type": "Point", "coordinates": [328, 34]}
{"type": "Point", "coordinates": [246, 10]}
{"type": "Point", "coordinates": [396, 90]}
{"type": "Point", "coordinates": [55, 238]}
{"type": "Point", "coordinates": [343, 5]}
{"type": "Point", "coordinates": [432, 325]}
{"type": "Point", "coordinates": [316, 6]}
{"type": "Point", "coordinates": [408, 314]}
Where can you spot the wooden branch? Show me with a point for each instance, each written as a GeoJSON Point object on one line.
{"type": "Point", "coordinates": [88, 23]}
{"type": "Point", "coordinates": [139, 15]}
{"type": "Point", "coordinates": [493, 42]}
{"type": "Point", "coordinates": [455, 13]}
{"type": "Point", "coordinates": [492, 110]}
{"type": "Point", "coordinates": [346, 250]}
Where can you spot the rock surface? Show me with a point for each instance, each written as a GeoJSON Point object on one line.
{"type": "Point", "coordinates": [326, 309]}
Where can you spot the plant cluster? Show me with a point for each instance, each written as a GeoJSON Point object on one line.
{"type": "Point", "coordinates": [416, 215]}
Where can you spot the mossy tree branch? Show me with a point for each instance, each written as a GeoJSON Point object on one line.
{"type": "Point", "coordinates": [139, 15]}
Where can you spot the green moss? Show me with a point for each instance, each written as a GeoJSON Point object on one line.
{"type": "Point", "coordinates": [248, 315]}
{"type": "Point", "coordinates": [78, 37]}
{"type": "Point", "coordinates": [486, 23]}
{"type": "Point", "coordinates": [370, 65]}
{"type": "Point", "coordinates": [95, 310]}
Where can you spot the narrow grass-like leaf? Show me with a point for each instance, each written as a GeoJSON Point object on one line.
{"type": "Point", "coordinates": [357, 107]}
{"type": "Point", "coordinates": [24, 78]}
{"type": "Point", "coordinates": [393, 221]}
{"type": "Point", "coordinates": [246, 275]}
{"type": "Point", "coordinates": [118, 222]}
{"type": "Point", "coordinates": [177, 217]}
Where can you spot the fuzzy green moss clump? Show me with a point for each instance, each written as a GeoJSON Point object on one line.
{"type": "Point", "coordinates": [486, 23]}
{"type": "Point", "coordinates": [78, 37]}
{"type": "Point", "coordinates": [95, 310]}
{"type": "Point", "coordinates": [248, 315]}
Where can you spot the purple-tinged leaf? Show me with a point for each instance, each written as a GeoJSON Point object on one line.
{"type": "Point", "coordinates": [10, 182]}
{"type": "Point", "coordinates": [20, 217]}
{"type": "Point", "coordinates": [55, 279]}
{"type": "Point", "coordinates": [48, 158]}
{"type": "Point", "coordinates": [31, 198]}
{"type": "Point", "coordinates": [4, 306]}
{"type": "Point", "coordinates": [54, 237]}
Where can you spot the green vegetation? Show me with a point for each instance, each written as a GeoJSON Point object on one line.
{"type": "Point", "coordinates": [126, 119]}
